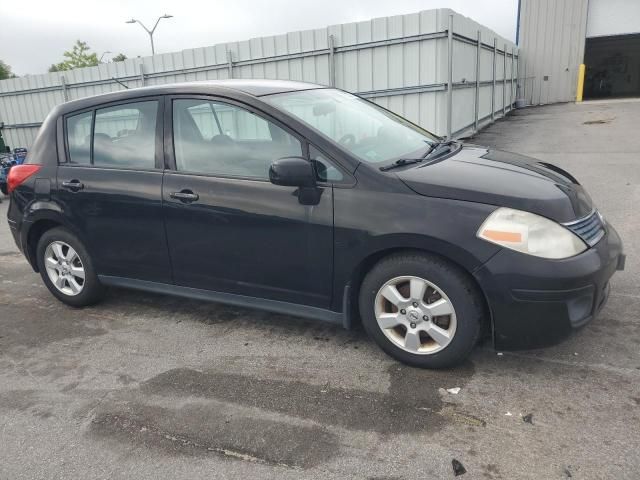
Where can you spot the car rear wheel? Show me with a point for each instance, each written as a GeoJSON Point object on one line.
{"type": "Point", "coordinates": [421, 310]}
{"type": "Point", "coordinates": [66, 268]}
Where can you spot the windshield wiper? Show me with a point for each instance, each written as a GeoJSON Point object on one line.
{"type": "Point", "coordinates": [400, 162]}
{"type": "Point", "coordinates": [438, 146]}
{"type": "Point", "coordinates": [408, 161]}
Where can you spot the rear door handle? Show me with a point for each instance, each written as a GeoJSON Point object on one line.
{"type": "Point", "coordinates": [186, 196]}
{"type": "Point", "coordinates": [73, 185]}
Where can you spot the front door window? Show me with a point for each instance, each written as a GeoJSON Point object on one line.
{"type": "Point", "coordinates": [221, 139]}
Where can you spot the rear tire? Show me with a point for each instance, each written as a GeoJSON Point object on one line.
{"type": "Point", "coordinates": [67, 269]}
{"type": "Point", "coordinates": [421, 310]}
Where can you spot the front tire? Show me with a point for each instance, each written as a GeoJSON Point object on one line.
{"type": "Point", "coordinates": [67, 269]}
{"type": "Point", "coordinates": [421, 310]}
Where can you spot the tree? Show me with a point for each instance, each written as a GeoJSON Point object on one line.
{"type": "Point", "coordinates": [5, 71]}
{"type": "Point", "coordinates": [119, 58]}
{"type": "Point", "coordinates": [79, 56]}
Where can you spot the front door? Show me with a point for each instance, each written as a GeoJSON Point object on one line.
{"type": "Point", "coordinates": [228, 228]}
{"type": "Point", "coordinates": [111, 187]}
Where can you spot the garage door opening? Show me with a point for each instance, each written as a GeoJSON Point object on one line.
{"type": "Point", "coordinates": [613, 67]}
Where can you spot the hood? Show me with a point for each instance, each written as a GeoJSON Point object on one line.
{"type": "Point", "coordinates": [495, 177]}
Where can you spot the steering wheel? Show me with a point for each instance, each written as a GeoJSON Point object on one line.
{"type": "Point", "coordinates": [348, 140]}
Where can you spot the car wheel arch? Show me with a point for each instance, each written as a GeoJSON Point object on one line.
{"type": "Point", "coordinates": [367, 263]}
{"type": "Point", "coordinates": [41, 222]}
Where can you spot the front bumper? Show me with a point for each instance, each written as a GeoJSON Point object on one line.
{"type": "Point", "coordinates": [537, 302]}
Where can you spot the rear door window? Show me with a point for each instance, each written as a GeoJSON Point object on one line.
{"type": "Point", "coordinates": [125, 135]}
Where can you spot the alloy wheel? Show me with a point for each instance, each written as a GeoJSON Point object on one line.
{"type": "Point", "coordinates": [415, 314]}
{"type": "Point", "coordinates": [64, 268]}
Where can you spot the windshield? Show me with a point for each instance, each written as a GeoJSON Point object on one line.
{"type": "Point", "coordinates": [364, 129]}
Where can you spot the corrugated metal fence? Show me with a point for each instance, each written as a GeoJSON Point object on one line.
{"type": "Point", "coordinates": [439, 69]}
{"type": "Point", "coordinates": [552, 39]}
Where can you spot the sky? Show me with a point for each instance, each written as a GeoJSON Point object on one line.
{"type": "Point", "coordinates": [35, 33]}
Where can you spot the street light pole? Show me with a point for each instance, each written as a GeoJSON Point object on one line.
{"type": "Point", "coordinates": [153, 49]}
{"type": "Point", "coordinates": [102, 56]}
{"type": "Point", "coordinates": [150, 32]}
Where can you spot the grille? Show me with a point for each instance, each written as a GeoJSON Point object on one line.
{"type": "Point", "coordinates": [589, 228]}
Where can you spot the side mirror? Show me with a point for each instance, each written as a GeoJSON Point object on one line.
{"type": "Point", "coordinates": [292, 172]}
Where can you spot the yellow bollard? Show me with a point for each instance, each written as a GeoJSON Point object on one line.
{"type": "Point", "coordinates": [580, 88]}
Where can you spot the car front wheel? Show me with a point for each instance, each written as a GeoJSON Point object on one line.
{"type": "Point", "coordinates": [421, 310]}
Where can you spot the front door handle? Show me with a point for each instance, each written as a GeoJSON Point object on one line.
{"type": "Point", "coordinates": [186, 196]}
{"type": "Point", "coordinates": [73, 185]}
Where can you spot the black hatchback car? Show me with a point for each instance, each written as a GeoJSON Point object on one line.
{"type": "Point", "coordinates": [310, 201]}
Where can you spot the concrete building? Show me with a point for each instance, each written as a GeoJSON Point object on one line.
{"type": "Point", "coordinates": [556, 36]}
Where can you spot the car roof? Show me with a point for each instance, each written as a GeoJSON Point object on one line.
{"type": "Point", "coordinates": [259, 87]}
{"type": "Point", "coordinates": [253, 87]}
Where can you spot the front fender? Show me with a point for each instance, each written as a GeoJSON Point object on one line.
{"type": "Point", "coordinates": [369, 225]}
{"type": "Point", "coordinates": [446, 249]}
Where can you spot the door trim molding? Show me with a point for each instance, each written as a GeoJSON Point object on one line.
{"type": "Point", "coordinates": [276, 306]}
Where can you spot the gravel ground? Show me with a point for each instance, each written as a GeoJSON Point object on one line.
{"type": "Point", "coordinates": [146, 386]}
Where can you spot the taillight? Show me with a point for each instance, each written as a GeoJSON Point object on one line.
{"type": "Point", "coordinates": [19, 173]}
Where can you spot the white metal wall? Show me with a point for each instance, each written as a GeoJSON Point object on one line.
{"type": "Point", "coordinates": [400, 62]}
{"type": "Point", "coordinates": [613, 17]}
{"type": "Point", "coordinates": [552, 39]}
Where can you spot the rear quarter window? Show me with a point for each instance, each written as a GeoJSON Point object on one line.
{"type": "Point", "coordinates": [79, 138]}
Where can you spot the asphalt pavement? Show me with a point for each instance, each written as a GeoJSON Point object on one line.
{"type": "Point", "coordinates": [145, 386]}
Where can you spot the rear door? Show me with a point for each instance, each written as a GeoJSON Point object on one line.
{"type": "Point", "coordinates": [229, 229]}
{"type": "Point", "coordinates": [110, 185]}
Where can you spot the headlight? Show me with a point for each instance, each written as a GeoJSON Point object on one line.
{"type": "Point", "coordinates": [531, 234]}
